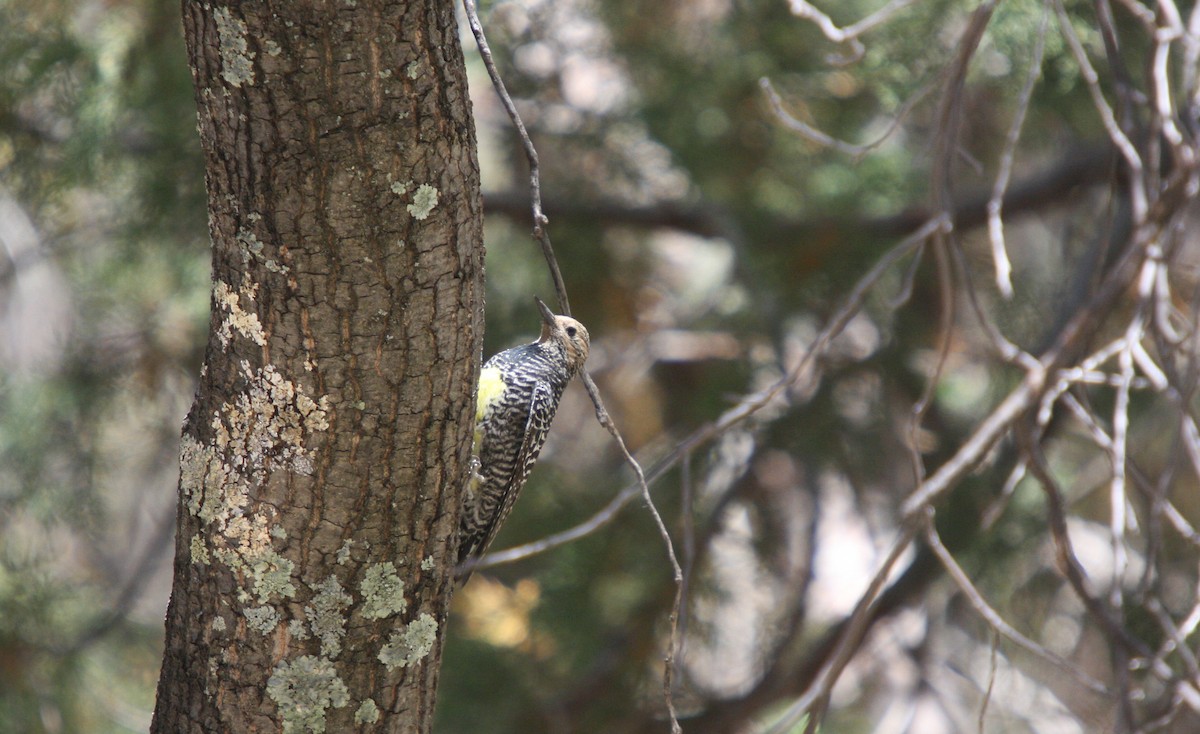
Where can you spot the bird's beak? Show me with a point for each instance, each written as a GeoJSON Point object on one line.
{"type": "Point", "coordinates": [547, 314]}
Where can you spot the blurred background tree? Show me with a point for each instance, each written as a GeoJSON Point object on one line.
{"type": "Point", "coordinates": [719, 177]}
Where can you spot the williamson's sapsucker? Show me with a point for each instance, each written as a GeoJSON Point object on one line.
{"type": "Point", "coordinates": [519, 390]}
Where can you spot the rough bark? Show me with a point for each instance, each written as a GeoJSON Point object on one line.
{"type": "Point", "coordinates": [321, 460]}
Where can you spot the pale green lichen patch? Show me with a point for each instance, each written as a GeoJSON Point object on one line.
{"type": "Point", "coordinates": [325, 616]}
{"type": "Point", "coordinates": [400, 187]}
{"type": "Point", "coordinates": [424, 200]}
{"type": "Point", "coordinates": [262, 619]}
{"type": "Point", "coordinates": [199, 551]}
{"type": "Point", "coordinates": [200, 475]}
{"type": "Point", "coordinates": [262, 430]}
{"type": "Point", "coordinates": [303, 690]}
{"type": "Point", "coordinates": [427, 564]}
{"type": "Point", "coordinates": [367, 713]}
{"type": "Point", "coordinates": [266, 426]}
{"type": "Point", "coordinates": [272, 575]}
{"type": "Point", "coordinates": [410, 645]}
{"type": "Point", "coordinates": [343, 553]}
{"type": "Point", "coordinates": [218, 624]}
{"type": "Point", "coordinates": [236, 318]}
{"type": "Point", "coordinates": [297, 629]}
{"type": "Point", "coordinates": [413, 70]}
{"type": "Point", "coordinates": [237, 59]}
{"type": "Point", "coordinates": [383, 591]}
{"type": "Point", "coordinates": [273, 48]}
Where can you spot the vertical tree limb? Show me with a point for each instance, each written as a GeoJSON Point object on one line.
{"type": "Point", "coordinates": [323, 456]}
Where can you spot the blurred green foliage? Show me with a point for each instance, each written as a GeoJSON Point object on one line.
{"type": "Point", "coordinates": [105, 318]}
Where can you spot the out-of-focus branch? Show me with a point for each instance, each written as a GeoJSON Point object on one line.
{"type": "Point", "coordinates": [995, 203]}
{"type": "Point", "coordinates": [997, 622]}
{"type": "Point", "coordinates": [825, 140]}
{"type": "Point", "coordinates": [945, 153]}
{"type": "Point", "coordinates": [1133, 160]}
{"type": "Point", "coordinates": [1086, 166]}
{"type": "Point", "coordinates": [849, 34]}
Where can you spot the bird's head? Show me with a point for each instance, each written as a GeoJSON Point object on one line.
{"type": "Point", "coordinates": [566, 333]}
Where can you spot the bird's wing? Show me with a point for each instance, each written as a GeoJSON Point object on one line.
{"type": "Point", "coordinates": [537, 424]}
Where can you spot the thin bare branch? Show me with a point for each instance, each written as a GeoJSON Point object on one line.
{"type": "Point", "coordinates": [1143, 14]}
{"type": "Point", "coordinates": [1137, 182]}
{"type": "Point", "coordinates": [996, 202]}
{"type": "Point", "coordinates": [1190, 90]}
{"type": "Point", "coordinates": [996, 621]}
{"type": "Point", "coordinates": [1068, 561]}
{"type": "Point", "coordinates": [990, 430]}
{"type": "Point", "coordinates": [945, 149]}
{"type": "Point", "coordinates": [823, 139]}
{"type": "Point", "coordinates": [673, 619]}
{"type": "Point", "coordinates": [1118, 517]}
{"type": "Point", "coordinates": [814, 700]}
{"type": "Point", "coordinates": [1171, 31]}
{"type": "Point", "coordinates": [807, 131]}
{"type": "Point", "coordinates": [1175, 642]}
{"type": "Point", "coordinates": [531, 156]}
{"type": "Point", "coordinates": [850, 34]}
{"type": "Point", "coordinates": [991, 681]}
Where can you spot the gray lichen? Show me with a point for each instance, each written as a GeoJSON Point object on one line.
{"type": "Point", "coordinates": [383, 591]}
{"type": "Point", "coordinates": [263, 429]}
{"type": "Point", "coordinates": [303, 690]}
{"type": "Point", "coordinates": [272, 575]}
{"type": "Point", "coordinates": [199, 552]}
{"type": "Point", "coordinates": [237, 59]}
{"type": "Point", "coordinates": [325, 616]}
{"type": "Point", "coordinates": [297, 629]}
{"type": "Point", "coordinates": [262, 619]}
{"type": "Point", "coordinates": [367, 713]}
{"type": "Point", "coordinates": [424, 200]}
{"type": "Point", "coordinates": [410, 645]}
{"type": "Point", "coordinates": [343, 553]}
{"type": "Point", "coordinates": [252, 250]}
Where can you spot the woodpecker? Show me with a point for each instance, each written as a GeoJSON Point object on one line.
{"type": "Point", "coordinates": [519, 390]}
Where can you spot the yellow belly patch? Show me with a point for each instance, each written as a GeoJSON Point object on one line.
{"type": "Point", "coordinates": [491, 387]}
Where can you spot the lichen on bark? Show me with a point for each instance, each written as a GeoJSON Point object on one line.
{"type": "Point", "coordinates": [322, 459]}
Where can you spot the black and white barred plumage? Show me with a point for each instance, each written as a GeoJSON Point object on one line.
{"type": "Point", "coordinates": [519, 390]}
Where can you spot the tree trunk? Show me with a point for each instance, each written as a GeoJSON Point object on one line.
{"type": "Point", "coordinates": [322, 458]}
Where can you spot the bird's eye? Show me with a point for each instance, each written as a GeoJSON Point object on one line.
{"type": "Point", "coordinates": [570, 331]}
